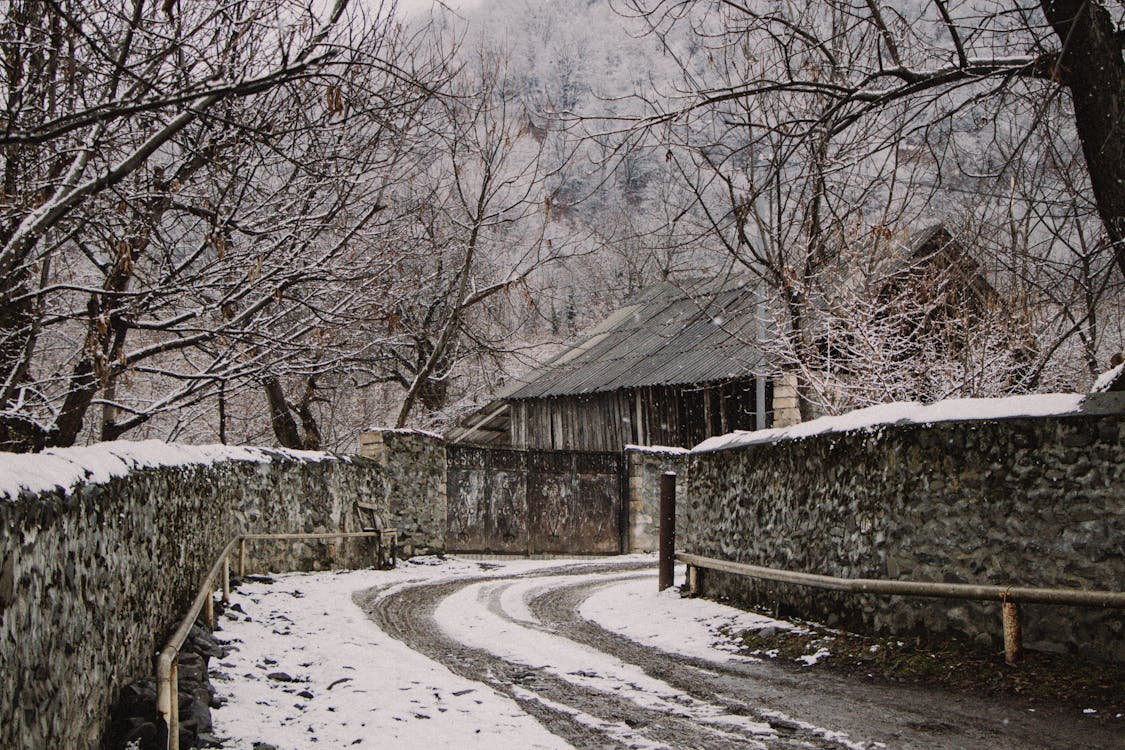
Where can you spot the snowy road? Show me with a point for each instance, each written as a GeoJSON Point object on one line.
{"type": "Point", "coordinates": [526, 654]}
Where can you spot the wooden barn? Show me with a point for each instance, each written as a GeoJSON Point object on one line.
{"type": "Point", "coordinates": [674, 366]}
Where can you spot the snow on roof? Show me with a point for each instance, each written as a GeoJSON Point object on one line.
{"type": "Point", "coordinates": [66, 467]}
{"type": "Point", "coordinates": [668, 334]}
{"type": "Point", "coordinates": [911, 412]}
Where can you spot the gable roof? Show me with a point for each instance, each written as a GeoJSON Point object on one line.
{"type": "Point", "coordinates": [666, 335]}
{"type": "Point", "coordinates": [935, 246]}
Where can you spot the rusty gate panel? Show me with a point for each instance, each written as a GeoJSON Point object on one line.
{"type": "Point", "coordinates": [511, 501]}
{"type": "Point", "coordinates": [487, 500]}
{"type": "Point", "coordinates": [577, 502]}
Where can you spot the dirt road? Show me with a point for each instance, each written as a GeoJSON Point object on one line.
{"type": "Point", "coordinates": [523, 636]}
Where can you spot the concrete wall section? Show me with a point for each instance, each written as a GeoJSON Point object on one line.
{"type": "Point", "coordinates": [646, 466]}
{"type": "Point", "coordinates": [1032, 501]}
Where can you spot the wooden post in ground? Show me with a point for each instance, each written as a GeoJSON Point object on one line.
{"type": "Point", "coordinates": [667, 530]}
{"type": "Point", "coordinates": [693, 580]}
{"type": "Point", "coordinates": [173, 720]}
{"type": "Point", "coordinates": [1013, 638]}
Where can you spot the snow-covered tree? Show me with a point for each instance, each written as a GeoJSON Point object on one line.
{"type": "Point", "coordinates": [185, 189]}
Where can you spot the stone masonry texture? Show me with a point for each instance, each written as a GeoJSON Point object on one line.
{"type": "Point", "coordinates": [93, 580]}
{"type": "Point", "coordinates": [1025, 501]}
{"type": "Point", "coordinates": [413, 485]}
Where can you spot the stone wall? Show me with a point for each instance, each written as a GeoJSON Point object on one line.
{"type": "Point", "coordinates": [1032, 501]}
{"type": "Point", "coordinates": [646, 466]}
{"type": "Point", "coordinates": [414, 485]}
{"type": "Point", "coordinates": [95, 578]}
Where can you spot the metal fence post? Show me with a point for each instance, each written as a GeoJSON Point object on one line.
{"type": "Point", "coordinates": [667, 530]}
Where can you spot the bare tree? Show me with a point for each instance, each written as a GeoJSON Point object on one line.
{"type": "Point", "coordinates": [482, 215]}
{"type": "Point", "coordinates": [183, 196]}
{"type": "Point", "coordinates": [944, 60]}
{"type": "Point", "coordinates": [806, 131]}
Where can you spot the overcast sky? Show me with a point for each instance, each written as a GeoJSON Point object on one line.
{"type": "Point", "coordinates": [414, 7]}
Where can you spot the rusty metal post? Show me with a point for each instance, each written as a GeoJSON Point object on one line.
{"type": "Point", "coordinates": [242, 558]}
{"type": "Point", "coordinates": [667, 530]}
{"type": "Point", "coordinates": [1013, 638]}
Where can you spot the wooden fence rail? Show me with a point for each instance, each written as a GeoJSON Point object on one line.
{"type": "Point", "coordinates": [167, 691]}
{"type": "Point", "coordinates": [1010, 596]}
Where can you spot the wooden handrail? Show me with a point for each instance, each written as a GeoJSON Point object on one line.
{"type": "Point", "coordinates": [167, 689]}
{"type": "Point", "coordinates": [1010, 597]}
{"type": "Point", "coordinates": [1021, 594]}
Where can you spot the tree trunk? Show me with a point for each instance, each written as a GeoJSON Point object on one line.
{"type": "Point", "coordinates": [281, 416]}
{"type": "Point", "coordinates": [1092, 67]}
{"type": "Point", "coordinates": [311, 441]}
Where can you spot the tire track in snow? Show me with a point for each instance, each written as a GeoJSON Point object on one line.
{"type": "Point", "coordinates": [407, 614]}
{"type": "Point", "coordinates": [612, 704]}
{"type": "Point", "coordinates": [557, 610]}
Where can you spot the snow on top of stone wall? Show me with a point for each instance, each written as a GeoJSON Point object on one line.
{"type": "Point", "coordinates": [908, 412]}
{"type": "Point", "coordinates": [1107, 378]}
{"type": "Point", "coordinates": [406, 431]}
{"type": "Point", "coordinates": [66, 467]}
{"type": "Point", "coordinates": [659, 449]}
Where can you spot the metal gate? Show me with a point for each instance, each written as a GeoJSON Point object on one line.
{"type": "Point", "coordinates": [534, 502]}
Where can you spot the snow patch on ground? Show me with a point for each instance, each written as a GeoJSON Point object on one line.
{"type": "Point", "coordinates": [467, 617]}
{"type": "Point", "coordinates": [809, 659]}
{"type": "Point", "coordinates": [697, 628]}
{"type": "Point", "coordinates": [101, 462]}
{"type": "Point", "coordinates": [368, 690]}
{"type": "Point", "coordinates": [908, 412]}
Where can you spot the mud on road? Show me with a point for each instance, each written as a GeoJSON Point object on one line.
{"type": "Point", "coordinates": [633, 696]}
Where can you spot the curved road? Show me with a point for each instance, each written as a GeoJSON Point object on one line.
{"type": "Point", "coordinates": [523, 636]}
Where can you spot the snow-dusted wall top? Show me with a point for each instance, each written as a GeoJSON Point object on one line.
{"type": "Point", "coordinates": [963, 492]}
{"type": "Point", "coordinates": [102, 549]}
{"type": "Point", "coordinates": [913, 412]}
{"type": "Point", "coordinates": [66, 467]}
{"type": "Point", "coordinates": [1107, 379]}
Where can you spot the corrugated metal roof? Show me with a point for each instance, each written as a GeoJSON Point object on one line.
{"type": "Point", "coordinates": [667, 335]}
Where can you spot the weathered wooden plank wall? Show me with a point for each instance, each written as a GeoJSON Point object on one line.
{"type": "Point", "coordinates": [679, 416]}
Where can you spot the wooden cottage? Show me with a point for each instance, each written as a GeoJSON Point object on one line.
{"type": "Point", "coordinates": [674, 366]}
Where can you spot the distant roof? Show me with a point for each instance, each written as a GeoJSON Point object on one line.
{"type": "Point", "coordinates": [936, 244]}
{"type": "Point", "coordinates": [666, 335]}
